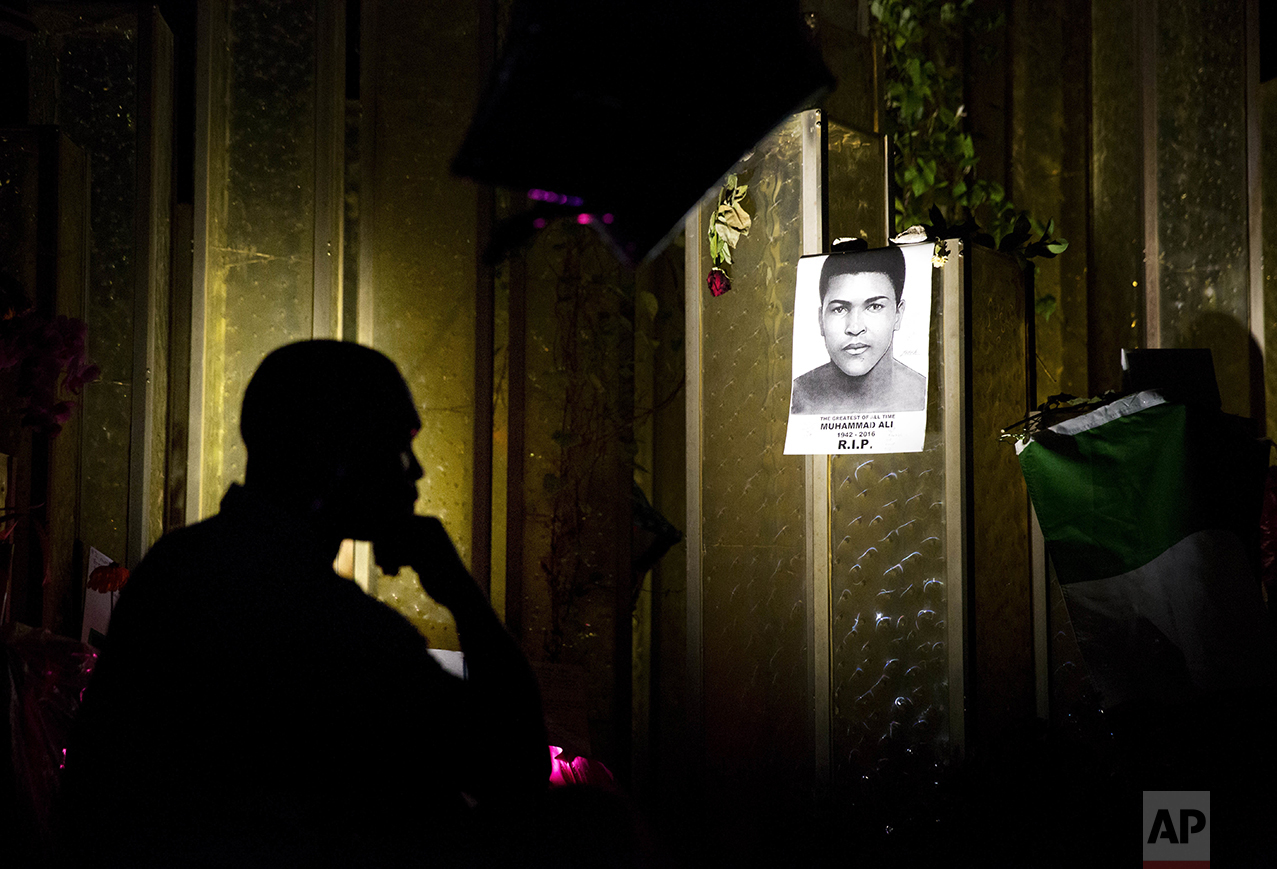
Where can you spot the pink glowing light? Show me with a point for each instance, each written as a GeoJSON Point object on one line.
{"type": "Point", "coordinates": [539, 223]}
{"type": "Point", "coordinates": [607, 218]}
{"type": "Point", "coordinates": [583, 218]}
{"type": "Point", "coordinates": [554, 198]}
{"type": "Point", "coordinates": [578, 771]}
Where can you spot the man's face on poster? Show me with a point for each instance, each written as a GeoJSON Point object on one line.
{"type": "Point", "coordinates": [858, 319]}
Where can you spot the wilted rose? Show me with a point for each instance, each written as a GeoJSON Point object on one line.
{"type": "Point", "coordinates": [109, 577]}
{"type": "Point", "coordinates": [718, 282]}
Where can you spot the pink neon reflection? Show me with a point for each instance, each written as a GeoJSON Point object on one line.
{"type": "Point", "coordinates": [578, 771]}
{"type": "Point", "coordinates": [555, 198]}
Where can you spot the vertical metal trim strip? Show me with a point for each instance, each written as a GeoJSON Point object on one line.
{"type": "Point", "coordinates": [1254, 185]}
{"type": "Point", "coordinates": [693, 270]}
{"type": "Point", "coordinates": [1146, 37]}
{"type": "Point", "coordinates": [884, 142]}
{"type": "Point", "coordinates": [516, 445]}
{"type": "Point", "coordinates": [1040, 597]}
{"type": "Point", "coordinates": [84, 232]}
{"type": "Point", "coordinates": [484, 339]}
{"type": "Point", "coordinates": [368, 67]}
{"type": "Point", "coordinates": [177, 441]}
{"type": "Point", "coordinates": [150, 65]}
{"type": "Point", "coordinates": [955, 484]}
{"type": "Point", "coordinates": [366, 289]}
{"type": "Point", "coordinates": [816, 469]}
{"type": "Point", "coordinates": [330, 141]}
{"type": "Point", "coordinates": [211, 17]}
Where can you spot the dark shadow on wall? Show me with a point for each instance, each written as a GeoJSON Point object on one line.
{"type": "Point", "coordinates": [1239, 363]}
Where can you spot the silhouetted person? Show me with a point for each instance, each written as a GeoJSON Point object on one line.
{"type": "Point", "coordinates": [252, 708]}
{"type": "Point", "coordinates": [861, 310]}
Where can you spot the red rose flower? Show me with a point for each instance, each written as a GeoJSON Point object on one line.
{"type": "Point", "coordinates": [718, 281]}
{"type": "Point", "coordinates": [109, 577]}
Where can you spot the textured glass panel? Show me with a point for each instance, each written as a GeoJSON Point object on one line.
{"type": "Point", "coordinates": [1000, 603]}
{"type": "Point", "coordinates": [852, 56]}
{"type": "Point", "coordinates": [1202, 187]}
{"type": "Point", "coordinates": [159, 376]}
{"type": "Point", "coordinates": [108, 414]}
{"type": "Point", "coordinates": [23, 237]}
{"type": "Point", "coordinates": [160, 277]}
{"type": "Point", "coordinates": [62, 590]}
{"type": "Point", "coordinates": [350, 221]}
{"type": "Point", "coordinates": [1117, 162]}
{"type": "Point", "coordinates": [500, 434]}
{"type": "Point", "coordinates": [889, 591]}
{"type": "Point", "coordinates": [19, 190]}
{"type": "Point", "coordinates": [754, 563]}
{"type": "Point", "coordinates": [1049, 175]}
{"type": "Point", "coordinates": [669, 652]}
{"type": "Point", "coordinates": [97, 93]}
{"type": "Point", "coordinates": [261, 184]}
{"type": "Point", "coordinates": [578, 473]}
{"type": "Point", "coordinates": [857, 185]}
{"type": "Point", "coordinates": [1268, 171]}
{"type": "Point", "coordinates": [423, 249]}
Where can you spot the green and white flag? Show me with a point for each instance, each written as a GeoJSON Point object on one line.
{"type": "Point", "coordinates": [1148, 508]}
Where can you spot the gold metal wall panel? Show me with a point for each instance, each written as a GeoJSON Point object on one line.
{"type": "Point", "coordinates": [1049, 152]}
{"type": "Point", "coordinates": [1001, 609]}
{"type": "Point", "coordinates": [155, 275]}
{"type": "Point", "coordinates": [1268, 172]}
{"type": "Point", "coordinates": [577, 468]}
{"type": "Point", "coordinates": [44, 247]}
{"type": "Point", "coordinates": [259, 292]}
{"type": "Point", "coordinates": [753, 570]}
{"type": "Point", "coordinates": [19, 216]}
{"type": "Point", "coordinates": [890, 589]}
{"type": "Point", "coordinates": [857, 184]}
{"type": "Point", "coordinates": [94, 65]}
{"type": "Point", "coordinates": [669, 652]}
{"type": "Point", "coordinates": [422, 248]}
{"type": "Point", "coordinates": [842, 31]}
{"type": "Point", "coordinates": [500, 434]}
{"type": "Point", "coordinates": [894, 576]}
{"type": "Point", "coordinates": [1202, 187]}
{"type": "Point", "coordinates": [156, 494]}
{"type": "Point", "coordinates": [62, 590]}
{"type": "Point", "coordinates": [1117, 161]}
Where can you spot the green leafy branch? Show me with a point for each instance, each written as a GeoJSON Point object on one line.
{"type": "Point", "coordinates": [934, 163]}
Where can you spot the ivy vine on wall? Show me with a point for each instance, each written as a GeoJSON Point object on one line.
{"type": "Point", "coordinates": [934, 161]}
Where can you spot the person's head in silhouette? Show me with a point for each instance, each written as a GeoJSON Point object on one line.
{"type": "Point", "coordinates": [329, 428]}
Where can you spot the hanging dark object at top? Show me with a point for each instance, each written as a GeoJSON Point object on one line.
{"type": "Point", "coordinates": [619, 106]}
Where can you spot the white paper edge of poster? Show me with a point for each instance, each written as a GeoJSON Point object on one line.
{"type": "Point", "coordinates": [850, 433]}
{"type": "Point", "coordinates": [97, 604]}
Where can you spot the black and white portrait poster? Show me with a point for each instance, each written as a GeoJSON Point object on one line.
{"type": "Point", "coordinates": [861, 322]}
